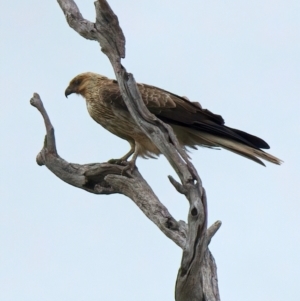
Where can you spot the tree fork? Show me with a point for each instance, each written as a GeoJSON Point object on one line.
{"type": "Point", "coordinates": [197, 275]}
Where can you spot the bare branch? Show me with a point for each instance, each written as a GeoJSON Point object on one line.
{"type": "Point", "coordinates": [197, 278]}
{"type": "Point", "coordinates": [140, 192]}
{"type": "Point", "coordinates": [107, 24]}
{"type": "Point", "coordinates": [50, 138]}
{"type": "Point", "coordinates": [74, 18]}
{"type": "Point", "coordinates": [212, 230]}
{"type": "Point", "coordinates": [105, 178]}
{"type": "Point", "coordinates": [178, 186]}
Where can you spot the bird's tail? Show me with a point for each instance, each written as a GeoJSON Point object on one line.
{"type": "Point", "coordinates": [237, 147]}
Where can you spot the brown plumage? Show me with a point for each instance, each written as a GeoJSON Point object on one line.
{"type": "Point", "coordinates": [192, 125]}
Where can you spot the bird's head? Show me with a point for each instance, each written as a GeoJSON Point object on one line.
{"type": "Point", "coordinates": [82, 82]}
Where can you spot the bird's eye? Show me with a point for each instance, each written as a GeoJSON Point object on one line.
{"type": "Point", "coordinates": [77, 82]}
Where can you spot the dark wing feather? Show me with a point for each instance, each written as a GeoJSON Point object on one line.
{"type": "Point", "coordinates": [155, 98]}
{"type": "Point", "coordinates": [258, 142]}
{"type": "Point", "coordinates": [174, 109]}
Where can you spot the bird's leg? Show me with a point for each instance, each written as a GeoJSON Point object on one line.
{"type": "Point", "coordinates": [131, 164]}
{"type": "Point", "coordinates": [124, 158]}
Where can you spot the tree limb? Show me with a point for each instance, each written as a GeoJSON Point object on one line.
{"type": "Point", "coordinates": [197, 277]}
{"type": "Point", "coordinates": [105, 178]}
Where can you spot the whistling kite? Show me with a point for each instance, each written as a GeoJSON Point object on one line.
{"type": "Point", "coordinates": [192, 125]}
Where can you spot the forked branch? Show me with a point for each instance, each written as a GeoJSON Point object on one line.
{"type": "Point", "coordinates": [105, 178]}
{"type": "Point", "coordinates": [197, 277]}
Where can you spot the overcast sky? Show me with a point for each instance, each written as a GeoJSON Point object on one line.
{"type": "Point", "coordinates": [239, 59]}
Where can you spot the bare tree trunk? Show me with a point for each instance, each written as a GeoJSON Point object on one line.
{"type": "Point", "coordinates": [197, 275]}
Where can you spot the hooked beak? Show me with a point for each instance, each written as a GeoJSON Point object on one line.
{"type": "Point", "coordinates": [68, 91]}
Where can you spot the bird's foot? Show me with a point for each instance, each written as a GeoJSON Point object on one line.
{"type": "Point", "coordinates": [129, 167]}
{"type": "Point", "coordinates": [120, 161]}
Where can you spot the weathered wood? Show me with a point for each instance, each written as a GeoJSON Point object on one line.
{"type": "Point", "coordinates": [105, 178]}
{"type": "Point", "coordinates": [197, 277]}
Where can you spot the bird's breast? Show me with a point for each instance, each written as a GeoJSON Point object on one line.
{"type": "Point", "coordinates": [118, 122]}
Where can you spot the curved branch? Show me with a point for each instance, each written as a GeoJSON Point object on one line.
{"type": "Point", "coordinates": [197, 275]}
{"type": "Point", "coordinates": [105, 178]}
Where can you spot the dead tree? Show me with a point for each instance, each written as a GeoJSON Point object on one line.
{"type": "Point", "coordinates": [197, 275]}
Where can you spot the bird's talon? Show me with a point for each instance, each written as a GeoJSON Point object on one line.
{"type": "Point", "coordinates": [129, 167]}
{"type": "Point", "coordinates": [117, 161]}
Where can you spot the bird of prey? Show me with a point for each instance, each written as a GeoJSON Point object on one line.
{"type": "Point", "coordinates": [193, 125]}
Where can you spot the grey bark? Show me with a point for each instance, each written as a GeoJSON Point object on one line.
{"type": "Point", "coordinates": [197, 275]}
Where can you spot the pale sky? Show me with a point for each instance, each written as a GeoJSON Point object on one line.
{"type": "Point", "coordinates": [239, 59]}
